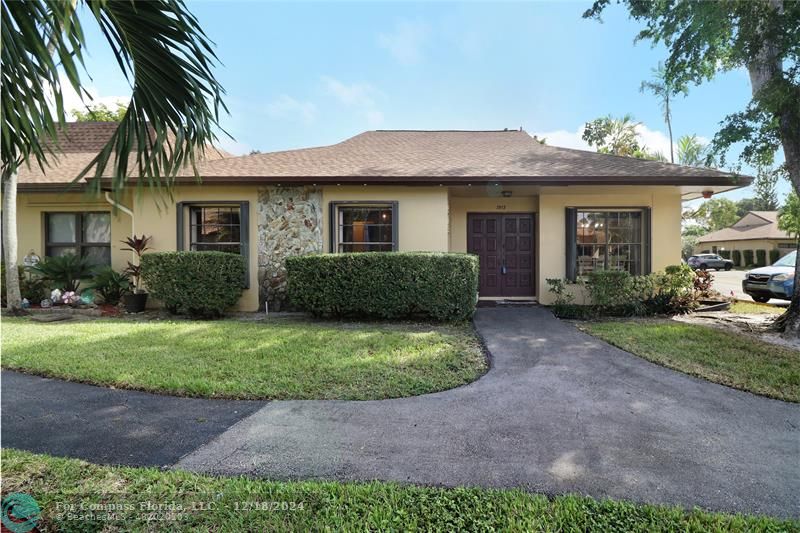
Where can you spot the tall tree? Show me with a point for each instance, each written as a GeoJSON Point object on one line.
{"type": "Point", "coordinates": [613, 135]}
{"type": "Point", "coordinates": [789, 216]}
{"type": "Point", "coordinates": [100, 113]}
{"type": "Point", "coordinates": [691, 151]}
{"type": "Point", "coordinates": [766, 197]}
{"type": "Point", "coordinates": [762, 36]}
{"type": "Point", "coordinates": [171, 117]}
{"type": "Point", "coordinates": [663, 90]}
{"type": "Point", "coordinates": [717, 213]}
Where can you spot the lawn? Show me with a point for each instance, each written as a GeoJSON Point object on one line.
{"type": "Point", "coordinates": [720, 356]}
{"type": "Point", "coordinates": [279, 359]}
{"type": "Point", "coordinates": [753, 308]}
{"type": "Point", "coordinates": [205, 503]}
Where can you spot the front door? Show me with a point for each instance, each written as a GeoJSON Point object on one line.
{"type": "Point", "coordinates": [504, 244]}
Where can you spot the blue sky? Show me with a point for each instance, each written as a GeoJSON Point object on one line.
{"type": "Point", "coordinates": [307, 74]}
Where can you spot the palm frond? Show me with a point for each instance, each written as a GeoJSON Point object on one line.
{"type": "Point", "coordinates": [159, 46]}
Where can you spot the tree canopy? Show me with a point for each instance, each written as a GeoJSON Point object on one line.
{"type": "Point", "coordinates": [100, 113]}
{"type": "Point", "coordinates": [789, 216]}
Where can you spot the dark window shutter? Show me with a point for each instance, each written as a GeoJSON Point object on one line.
{"type": "Point", "coordinates": [244, 236]}
{"type": "Point", "coordinates": [571, 243]}
{"type": "Point", "coordinates": [179, 225]}
{"type": "Point", "coordinates": [647, 250]}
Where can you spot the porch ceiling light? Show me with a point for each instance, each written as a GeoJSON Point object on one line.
{"type": "Point", "coordinates": [708, 194]}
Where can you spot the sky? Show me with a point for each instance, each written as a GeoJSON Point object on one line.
{"type": "Point", "coordinates": [301, 74]}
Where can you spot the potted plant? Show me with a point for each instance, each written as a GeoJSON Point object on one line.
{"type": "Point", "coordinates": [135, 301]}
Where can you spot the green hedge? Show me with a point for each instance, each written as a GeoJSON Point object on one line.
{"type": "Point", "coordinates": [774, 255]}
{"type": "Point", "coordinates": [440, 286]}
{"type": "Point", "coordinates": [748, 257]}
{"type": "Point", "coordinates": [761, 258]}
{"type": "Point", "coordinates": [737, 258]}
{"type": "Point", "coordinates": [202, 284]}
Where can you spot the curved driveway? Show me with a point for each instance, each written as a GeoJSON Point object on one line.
{"type": "Point", "coordinates": [558, 412]}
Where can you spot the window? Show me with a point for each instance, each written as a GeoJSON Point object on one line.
{"type": "Point", "coordinates": [607, 240]}
{"type": "Point", "coordinates": [84, 234]}
{"type": "Point", "coordinates": [215, 227]}
{"type": "Point", "coordinates": [364, 227]}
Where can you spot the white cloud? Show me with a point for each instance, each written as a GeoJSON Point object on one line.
{"type": "Point", "coordinates": [72, 99]}
{"type": "Point", "coordinates": [405, 41]}
{"type": "Point", "coordinates": [375, 118]}
{"type": "Point", "coordinates": [287, 107]}
{"type": "Point", "coordinates": [564, 138]}
{"type": "Point", "coordinates": [653, 140]}
{"type": "Point", "coordinates": [354, 94]}
{"type": "Point", "coordinates": [358, 96]}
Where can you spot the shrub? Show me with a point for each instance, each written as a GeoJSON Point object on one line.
{"type": "Point", "coordinates": [703, 280]}
{"type": "Point", "coordinates": [736, 256]}
{"type": "Point", "coordinates": [725, 254]}
{"type": "Point", "coordinates": [441, 286]}
{"type": "Point", "coordinates": [748, 257]}
{"type": "Point", "coordinates": [761, 258]}
{"type": "Point", "coordinates": [110, 285]}
{"type": "Point", "coordinates": [64, 272]}
{"type": "Point", "coordinates": [774, 255]}
{"type": "Point", "coordinates": [608, 288]}
{"type": "Point", "coordinates": [31, 286]}
{"type": "Point", "coordinates": [201, 284]}
{"type": "Point", "coordinates": [559, 287]}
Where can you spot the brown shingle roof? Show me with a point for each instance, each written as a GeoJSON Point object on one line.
{"type": "Point", "coordinates": [405, 157]}
{"type": "Point", "coordinates": [78, 144]}
{"type": "Point", "coordinates": [767, 230]}
{"type": "Point", "coordinates": [443, 154]}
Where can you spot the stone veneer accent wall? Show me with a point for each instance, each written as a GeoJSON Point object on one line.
{"type": "Point", "coordinates": [289, 223]}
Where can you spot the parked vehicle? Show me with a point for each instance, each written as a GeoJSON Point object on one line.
{"type": "Point", "coordinates": [775, 281]}
{"type": "Point", "coordinates": [709, 261]}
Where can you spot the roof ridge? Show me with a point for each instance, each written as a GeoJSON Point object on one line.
{"type": "Point", "coordinates": [506, 130]}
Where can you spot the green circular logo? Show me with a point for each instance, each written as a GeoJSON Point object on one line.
{"type": "Point", "coordinates": [21, 513]}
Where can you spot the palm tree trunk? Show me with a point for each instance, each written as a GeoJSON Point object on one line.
{"type": "Point", "coordinates": [668, 116]}
{"type": "Point", "coordinates": [13, 297]}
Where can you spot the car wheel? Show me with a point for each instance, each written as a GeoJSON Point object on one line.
{"type": "Point", "coordinates": [761, 299]}
{"type": "Point", "coordinates": [728, 267]}
{"type": "Point", "coordinates": [703, 266]}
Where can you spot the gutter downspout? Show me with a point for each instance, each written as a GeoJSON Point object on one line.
{"type": "Point", "coordinates": [125, 210]}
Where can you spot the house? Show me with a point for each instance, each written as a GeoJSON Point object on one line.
{"type": "Point", "coordinates": [757, 230]}
{"type": "Point", "coordinates": [529, 211]}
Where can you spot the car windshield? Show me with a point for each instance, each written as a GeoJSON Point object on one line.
{"type": "Point", "coordinates": [787, 260]}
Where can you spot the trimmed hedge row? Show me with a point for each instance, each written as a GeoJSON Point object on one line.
{"type": "Point", "coordinates": [201, 284]}
{"type": "Point", "coordinates": [737, 258]}
{"type": "Point", "coordinates": [774, 255]}
{"type": "Point", "coordinates": [439, 286]}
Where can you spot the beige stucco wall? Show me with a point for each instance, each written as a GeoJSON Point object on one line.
{"type": "Point", "coordinates": [422, 213]}
{"type": "Point", "coordinates": [665, 203]}
{"type": "Point", "coordinates": [159, 221]}
{"type": "Point", "coordinates": [753, 244]}
{"type": "Point", "coordinates": [31, 208]}
{"type": "Point", "coordinates": [152, 217]}
{"type": "Point", "coordinates": [430, 219]}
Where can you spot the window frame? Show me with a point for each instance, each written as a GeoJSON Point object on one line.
{"type": "Point", "coordinates": [183, 212]}
{"type": "Point", "coordinates": [79, 243]}
{"type": "Point", "coordinates": [571, 242]}
{"type": "Point", "coordinates": [333, 215]}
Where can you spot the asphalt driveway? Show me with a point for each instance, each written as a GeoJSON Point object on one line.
{"type": "Point", "coordinates": [558, 412]}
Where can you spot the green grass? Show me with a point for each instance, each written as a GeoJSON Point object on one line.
{"type": "Point", "coordinates": [227, 504]}
{"type": "Point", "coordinates": [753, 308]}
{"type": "Point", "coordinates": [720, 356]}
{"type": "Point", "coordinates": [280, 359]}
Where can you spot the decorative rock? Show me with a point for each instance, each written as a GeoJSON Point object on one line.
{"type": "Point", "coordinates": [289, 223]}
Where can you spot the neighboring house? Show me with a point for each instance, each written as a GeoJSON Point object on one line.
{"type": "Point", "coordinates": [530, 211]}
{"type": "Point", "coordinates": [757, 230]}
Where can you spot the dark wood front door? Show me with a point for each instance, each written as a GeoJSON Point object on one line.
{"type": "Point", "coordinates": [504, 244]}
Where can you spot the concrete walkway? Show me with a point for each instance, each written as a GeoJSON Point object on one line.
{"type": "Point", "coordinates": [558, 412]}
